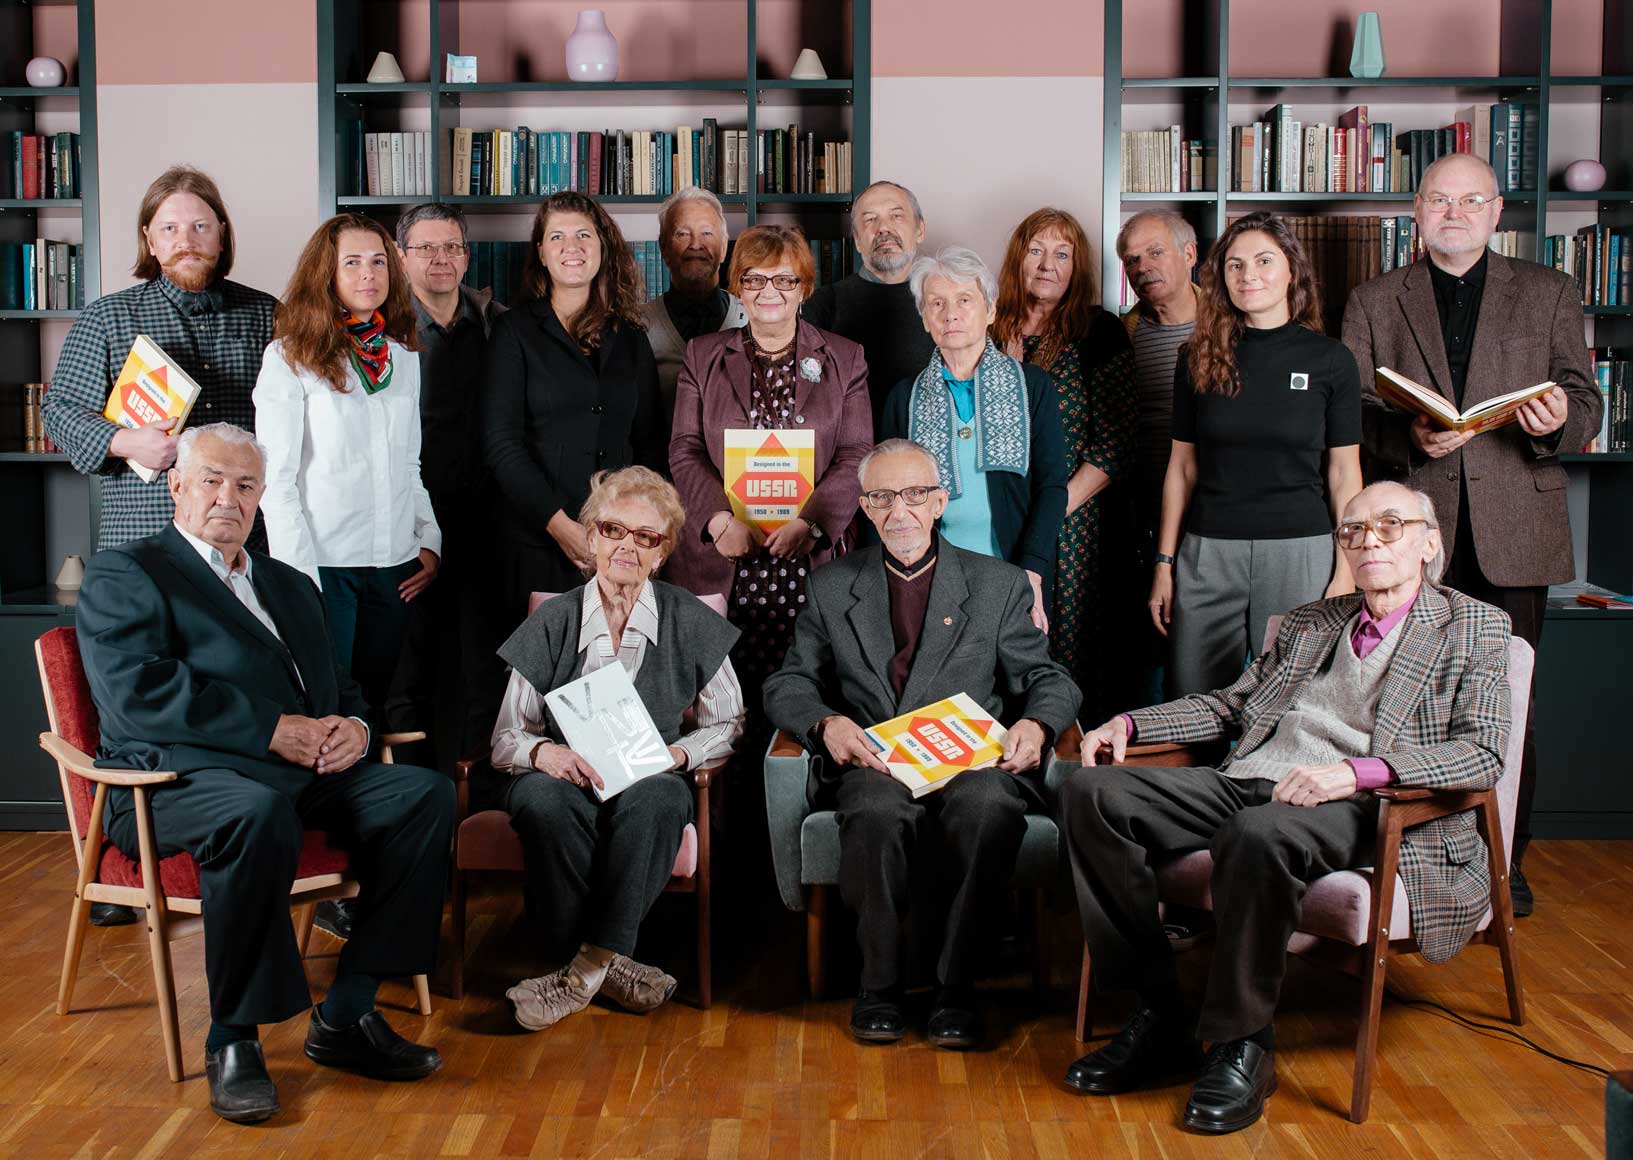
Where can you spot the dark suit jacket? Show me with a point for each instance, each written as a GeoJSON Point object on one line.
{"type": "Point", "coordinates": [1027, 513]}
{"type": "Point", "coordinates": [185, 677]}
{"type": "Point", "coordinates": [552, 416]}
{"type": "Point", "coordinates": [713, 393]}
{"type": "Point", "coordinates": [978, 639]}
{"type": "Point", "coordinates": [1529, 331]}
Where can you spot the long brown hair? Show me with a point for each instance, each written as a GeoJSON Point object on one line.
{"type": "Point", "coordinates": [180, 179]}
{"type": "Point", "coordinates": [615, 294]}
{"type": "Point", "coordinates": [308, 318]}
{"type": "Point", "coordinates": [1073, 314]}
{"type": "Point", "coordinates": [1211, 356]}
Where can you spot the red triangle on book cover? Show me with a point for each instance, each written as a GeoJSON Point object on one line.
{"type": "Point", "coordinates": [772, 446]}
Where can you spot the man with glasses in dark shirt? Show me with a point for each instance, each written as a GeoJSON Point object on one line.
{"type": "Point", "coordinates": [1472, 325]}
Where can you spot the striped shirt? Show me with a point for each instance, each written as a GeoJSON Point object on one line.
{"type": "Point", "coordinates": [1156, 349]}
{"type": "Point", "coordinates": [719, 708]}
{"type": "Point", "coordinates": [216, 336]}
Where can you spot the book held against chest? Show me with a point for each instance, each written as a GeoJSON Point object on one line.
{"type": "Point", "coordinates": [1401, 392]}
{"type": "Point", "coordinates": [768, 474]}
{"type": "Point", "coordinates": [604, 722]}
{"type": "Point", "coordinates": [150, 388]}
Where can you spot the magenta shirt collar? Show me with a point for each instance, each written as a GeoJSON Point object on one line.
{"type": "Point", "coordinates": [1370, 632]}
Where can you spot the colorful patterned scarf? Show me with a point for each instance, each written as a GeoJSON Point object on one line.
{"type": "Point", "coordinates": [370, 354]}
{"type": "Point", "coordinates": [1002, 422]}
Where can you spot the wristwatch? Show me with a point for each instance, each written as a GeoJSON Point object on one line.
{"type": "Point", "coordinates": [1160, 558]}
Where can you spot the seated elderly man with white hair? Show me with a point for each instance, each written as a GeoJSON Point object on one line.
{"type": "Point", "coordinates": [991, 421]}
{"type": "Point", "coordinates": [1404, 682]}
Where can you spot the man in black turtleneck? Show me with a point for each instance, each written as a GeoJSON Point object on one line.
{"type": "Point", "coordinates": [875, 307]}
{"type": "Point", "coordinates": [214, 329]}
{"type": "Point", "coordinates": [692, 239]}
{"type": "Point", "coordinates": [886, 630]}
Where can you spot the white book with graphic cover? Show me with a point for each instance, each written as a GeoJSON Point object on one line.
{"type": "Point", "coordinates": [605, 723]}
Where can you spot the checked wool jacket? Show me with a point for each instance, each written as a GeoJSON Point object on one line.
{"type": "Point", "coordinates": [1442, 723]}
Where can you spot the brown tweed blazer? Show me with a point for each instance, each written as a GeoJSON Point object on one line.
{"type": "Point", "coordinates": [1442, 723]}
{"type": "Point", "coordinates": [1529, 331]}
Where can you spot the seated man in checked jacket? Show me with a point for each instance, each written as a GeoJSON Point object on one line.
{"type": "Point", "coordinates": [1404, 682]}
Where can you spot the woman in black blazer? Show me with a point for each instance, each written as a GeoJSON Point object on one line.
{"type": "Point", "coordinates": [571, 389]}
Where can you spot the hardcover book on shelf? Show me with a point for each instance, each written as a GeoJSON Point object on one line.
{"type": "Point", "coordinates": [1399, 391]}
{"type": "Point", "coordinates": [150, 388]}
{"type": "Point", "coordinates": [928, 747]}
{"type": "Point", "coordinates": [603, 720]}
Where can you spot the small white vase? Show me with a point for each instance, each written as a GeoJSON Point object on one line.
{"type": "Point", "coordinates": [386, 70]}
{"type": "Point", "coordinates": [808, 67]}
{"type": "Point", "coordinates": [70, 575]}
{"type": "Point", "coordinates": [592, 51]}
{"type": "Point", "coordinates": [45, 72]}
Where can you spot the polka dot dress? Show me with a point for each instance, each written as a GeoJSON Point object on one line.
{"type": "Point", "coordinates": [767, 593]}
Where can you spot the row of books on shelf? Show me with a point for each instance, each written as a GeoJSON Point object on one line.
{"type": "Point", "coordinates": [1611, 371]}
{"type": "Point", "coordinates": [499, 266]}
{"type": "Point", "coordinates": [39, 166]}
{"type": "Point", "coordinates": [1281, 154]}
{"type": "Point", "coordinates": [1601, 261]}
{"type": "Point", "coordinates": [20, 426]}
{"type": "Point", "coordinates": [638, 163]}
{"type": "Point", "coordinates": [42, 275]}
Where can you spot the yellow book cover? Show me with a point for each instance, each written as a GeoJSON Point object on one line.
{"type": "Point", "coordinates": [150, 389]}
{"type": "Point", "coordinates": [927, 748]}
{"type": "Point", "coordinates": [769, 474]}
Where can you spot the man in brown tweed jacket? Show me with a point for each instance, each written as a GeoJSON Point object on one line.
{"type": "Point", "coordinates": [1474, 325]}
{"type": "Point", "coordinates": [1404, 682]}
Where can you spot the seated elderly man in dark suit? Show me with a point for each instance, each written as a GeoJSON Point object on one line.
{"type": "Point", "coordinates": [884, 631]}
{"type": "Point", "coordinates": [1404, 682]}
{"type": "Point", "coordinates": [213, 661]}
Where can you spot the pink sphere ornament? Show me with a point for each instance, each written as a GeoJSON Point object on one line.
{"type": "Point", "coordinates": [1584, 176]}
{"type": "Point", "coordinates": [45, 72]}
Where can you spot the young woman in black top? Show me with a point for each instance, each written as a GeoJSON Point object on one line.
{"type": "Point", "coordinates": [1266, 453]}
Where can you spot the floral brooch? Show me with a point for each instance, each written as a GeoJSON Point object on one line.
{"type": "Point", "coordinates": [810, 369]}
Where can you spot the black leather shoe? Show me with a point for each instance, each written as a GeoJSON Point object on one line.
{"type": "Point", "coordinates": [369, 1046]}
{"type": "Point", "coordinates": [876, 1017]}
{"type": "Point", "coordinates": [1236, 1079]}
{"type": "Point", "coordinates": [1518, 889]}
{"type": "Point", "coordinates": [1151, 1045]}
{"type": "Point", "coordinates": [954, 1022]}
{"type": "Point", "coordinates": [337, 916]}
{"type": "Point", "coordinates": [112, 914]}
{"type": "Point", "coordinates": [240, 1089]}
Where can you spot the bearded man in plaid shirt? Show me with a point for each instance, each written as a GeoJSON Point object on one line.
{"type": "Point", "coordinates": [214, 329]}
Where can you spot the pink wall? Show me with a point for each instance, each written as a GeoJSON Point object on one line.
{"type": "Point", "coordinates": [988, 38]}
{"type": "Point", "coordinates": [243, 42]}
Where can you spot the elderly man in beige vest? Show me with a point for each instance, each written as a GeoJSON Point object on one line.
{"type": "Point", "coordinates": [1403, 682]}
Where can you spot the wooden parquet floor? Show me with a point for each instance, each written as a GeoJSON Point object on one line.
{"type": "Point", "coordinates": [769, 1073]}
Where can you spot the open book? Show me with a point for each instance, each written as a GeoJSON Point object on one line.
{"type": "Point", "coordinates": [150, 389]}
{"type": "Point", "coordinates": [1400, 391]}
{"type": "Point", "coordinates": [927, 748]}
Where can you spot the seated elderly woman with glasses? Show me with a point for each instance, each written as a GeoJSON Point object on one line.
{"type": "Point", "coordinates": [594, 868]}
{"type": "Point", "coordinates": [991, 421]}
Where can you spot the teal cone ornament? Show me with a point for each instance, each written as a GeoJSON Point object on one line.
{"type": "Point", "coordinates": [1367, 58]}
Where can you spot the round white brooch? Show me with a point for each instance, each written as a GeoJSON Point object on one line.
{"type": "Point", "coordinates": [810, 369]}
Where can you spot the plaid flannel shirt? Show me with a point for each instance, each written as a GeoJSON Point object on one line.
{"type": "Point", "coordinates": [216, 336]}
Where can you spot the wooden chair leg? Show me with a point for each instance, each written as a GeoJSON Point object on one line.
{"type": "Point", "coordinates": [1040, 946]}
{"type": "Point", "coordinates": [1375, 966]}
{"type": "Point", "coordinates": [304, 914]}
{"type": "Point", "coordinates": [80, 912]}
{"type": "Point", "coordinates": [1490, 825]}
{"type": "Point", "coordinates": [1084, 982]}
{"type": "Point", "coordinates": [158, 939]}
{"type": "Point", "coordinates": [456, 967]}
{"type": "Point", "coordinates": [705, 938]}
{"type": "Point", "coordinates": [422, 992]}
{"type": "Point", "coordinates": [816, 913]}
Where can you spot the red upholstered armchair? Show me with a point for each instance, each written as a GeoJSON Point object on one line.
{"type": "Point", "coordinates": [171, 895]}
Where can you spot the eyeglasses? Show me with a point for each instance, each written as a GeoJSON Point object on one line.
{"type": "Point", "coordinates": [882, 498]}
{"type": "Point", "coordinates": [1473, 203]}
{"type": "Point", "coordinates": [642, 537]}
{"type": "Point", "coordinates": [445, 250]}
{"type": "Point", "coordinates": [1388, 529]}
{"type": "Point", "coordinates": [780, 281]}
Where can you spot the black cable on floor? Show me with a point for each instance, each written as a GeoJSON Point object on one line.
{"type": "Point", "coordinates": [1580, 1065]}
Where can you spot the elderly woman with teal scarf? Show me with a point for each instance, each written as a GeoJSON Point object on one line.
{"type": "Point", "coordinates": [991, 421]}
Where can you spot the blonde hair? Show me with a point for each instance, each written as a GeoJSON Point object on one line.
{"type": "Point", "coordinates": [642, 483]}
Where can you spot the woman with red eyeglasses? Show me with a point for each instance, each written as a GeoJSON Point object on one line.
{"type": "Point", "coordinates": [594, 867]}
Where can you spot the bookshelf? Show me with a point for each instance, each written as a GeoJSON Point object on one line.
{"type": "Point", "coordinates": [1580, 669]}
{"type": "Point", "coordinates": [734, 85]}
{"type": "Point", "coordinates": [47, 509]}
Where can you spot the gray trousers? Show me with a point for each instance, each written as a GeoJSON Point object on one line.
{"type": "Point", "coordinates": [595, 868]}
{"type": "Point", "coordinates": [1225, 592]}
{"type": "Point", "coordinates": [1122, 821]}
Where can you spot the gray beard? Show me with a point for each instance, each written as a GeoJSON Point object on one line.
{"type": "Point", "coordinates": [891, 263]}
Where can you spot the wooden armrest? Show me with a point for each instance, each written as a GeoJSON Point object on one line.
{"type": "Point", "coordinates": [1069, 745]}
{"type": "Point", "coordinates": [463, 767]}
{"type": "Point", "coordinates": [402, 738]}
{"type": "Point", "coordinates": [1413, 805]}
{"type": "Point", "coordinates": [76, 762]}
{"type": "Point", "coordinates": [706, 775]}
{"type": "Point", "coordinates": [1403, 793]}
{"type": "Point", "coordinates": [784, 745]}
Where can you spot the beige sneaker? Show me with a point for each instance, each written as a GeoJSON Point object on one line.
{"type": "Point", "coordinates": [635, 986]}
{"type": "Point", "coordinates": [548, 999]}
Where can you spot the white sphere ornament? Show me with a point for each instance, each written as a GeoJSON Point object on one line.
{"type": "Point", "coordinates": [45, 72]}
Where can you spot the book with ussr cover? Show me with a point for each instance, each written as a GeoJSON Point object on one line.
{"type": "Point", "coordinates": [150, 389]}
{"type": "Point", "coordinates": [768, 474]}
{"type": "Point", "coordinates": [1399, 391]}
{"type": "Point", "coordinates": [927, 748]}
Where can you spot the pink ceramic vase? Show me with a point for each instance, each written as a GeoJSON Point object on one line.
{"type": "Point", "coordinates": [592, 51]}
